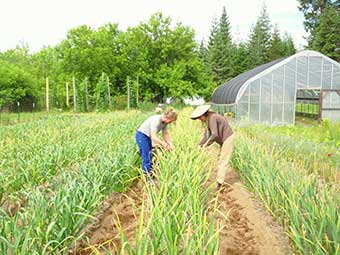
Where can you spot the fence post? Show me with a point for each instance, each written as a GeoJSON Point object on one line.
{"type": "Point", "coordinates": [33, 106]}
{"type": "Point", "coordinates": [137, 85]}
{"type": "Point", "coordinates": [74, 95]}
{"type": "Point", "coordinates": [108, 91]}
{"type": "Point", "coordinates": [86, 95]}
{"type": "Point", "coordinates": [128, 93]}
{"type": "Point", "coordinates": [67, 96]}
{"type": "Point", "coordinates": [47, 96]}
{"type": "Point", "coordinates": [18, 104]}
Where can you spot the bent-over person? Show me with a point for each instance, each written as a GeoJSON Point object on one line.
{"type": "Point", "coordinates": [146, 137]}
{"type": "Point", "coordinates": [218, 130]}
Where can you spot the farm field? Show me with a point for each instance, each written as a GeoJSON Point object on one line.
{"type": "Point", "coordinates": [316, 147]}
{"type": "Point", "coordinates": [70, 185]}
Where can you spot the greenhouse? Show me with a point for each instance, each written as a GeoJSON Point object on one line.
{"type": "Point", "coordinates": [269, 93]}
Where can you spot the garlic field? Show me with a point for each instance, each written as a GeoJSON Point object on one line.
{"type": "Point", "coordinates": [56, 172]}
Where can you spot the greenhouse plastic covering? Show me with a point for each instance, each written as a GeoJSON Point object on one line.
{"type": "Point", "coordinates": [268, 93]}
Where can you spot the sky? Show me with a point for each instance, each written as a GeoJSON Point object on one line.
{"type": "Point", "coordinates": [41, 23]}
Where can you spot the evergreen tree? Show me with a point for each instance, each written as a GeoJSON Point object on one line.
{"type": "Point", "coordinates": [212, 47]}
{"type": "Point", "coordinates": [288, 45]}
{"type": "Point", "coordinates": [276, 49]}
{"type": "Point", "coordinates": [241, 59]}
{"type": "Point", "coordinates": [213, 32]}
{"type": "Point", "coordinates": [327, 34]}
{"type": "Point", "coordinates": [203, 55]}
{"type": "Point", "coordinates": [220, 50]}
{"type": "Point", "coordinates": [312, 10]}
{"type": "Point", "coordinates": [259, 41]}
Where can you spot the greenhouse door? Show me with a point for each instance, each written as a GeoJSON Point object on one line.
{"type": "Point", "coordinates": [307, 103]}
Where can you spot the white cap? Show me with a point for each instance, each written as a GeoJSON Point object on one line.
{"type": "Point", "coordinates": [199, 111]}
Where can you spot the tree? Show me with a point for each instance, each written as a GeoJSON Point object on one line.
{"type": "Point", "coordinates": [45, 63]}
{"type": "Point", "coordinates": [241, 59]}
{"type": "Point", "coordinates": [259, 41]}
{"type": "Point", "coordinates": [221, 50]}
{"type": "Point", "coordinates": [165, 58]}
{"type": "Point", "coordinates": [312, 10]}
{"type": "Point", "coordinates": [101, 94]}
{"type": "Point", "coordinates": [288, 45]}
{"type": "Point", "coordinates": [276, 49]}
{"type": "Point", "coordinates": [16, 85]}
{"type": "Point", "coordinates": [163, 55]}
{"type": "Point", "coordinates": [203, 55]}
{"type": "Point", "coordinates": [327, 34]}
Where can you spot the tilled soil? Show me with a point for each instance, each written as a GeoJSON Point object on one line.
{"type": "Point", "coordinates": [246, 228]}
{"type": "Point", "coordinates": [120, 212]}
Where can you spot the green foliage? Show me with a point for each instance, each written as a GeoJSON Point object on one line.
{"type": "Point", "coordinates": [66, 166]}
{"type": "Point", "coordinates": [327, 33]}
{"type": "Point", "coordinates": [260, 40]}
{"type": "Point", "coordinates": [276, 48]}
{"type": "Point", "coordinates": [312, 11]}
{"type": "Point", "coordinates": [241, 59]}
{"type": "Point", "coordinates": [317, 145]}
{"type": "Point", "coordinates": [16, 84]}
{"type": "Point", "coordinates": [81, 96]}
{"type": "Point", "coordinates": [165, 59]}
{"type": "Point", "coordinates": [306, 204]}
{"type": "Point", "coordinates": [288, 45]}
{"type": "Point", "coordinates": [221, 50]}
{"type": "Point", "coordinates": [101, 94]}
{"type": "Point", "coordinates": [280, 47]}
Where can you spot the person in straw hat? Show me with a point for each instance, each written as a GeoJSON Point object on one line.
{"type": "Point", "coordinates": [146, 137]}
{"type": "Point", "coordinates": [219, 131]}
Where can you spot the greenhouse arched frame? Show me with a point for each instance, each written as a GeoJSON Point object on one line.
{"type": "Point", "coordinates": [268, 93]}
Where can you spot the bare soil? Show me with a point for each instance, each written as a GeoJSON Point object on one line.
{"type": "Point", "coordinates": [246, 227]}
{"type": "Point", "coordinates": [120, 212]}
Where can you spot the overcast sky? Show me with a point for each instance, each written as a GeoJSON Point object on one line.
{"type": "Point", "coordinates": [45, 22]}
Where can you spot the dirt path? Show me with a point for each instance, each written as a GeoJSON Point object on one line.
{"type": "Point", "coordinates": [120, 209]}
{"type": "Point", "coordinates": [246, 227]}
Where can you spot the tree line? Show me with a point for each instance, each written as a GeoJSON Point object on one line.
{"type": "Point", "coordinates": [164, 57]}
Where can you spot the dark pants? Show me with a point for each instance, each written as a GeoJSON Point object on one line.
{"type": "Point", "coordinates": [145, 150]}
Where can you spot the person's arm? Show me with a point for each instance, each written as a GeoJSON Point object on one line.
{"type": "Point", "coordinates": [157, 141]}
{"type": "Point", "coordinates": [204, 138]}
{"type": "Point", "coordinates": [213, 132]}
{"type": "Point", "coordinates": [167, 139]}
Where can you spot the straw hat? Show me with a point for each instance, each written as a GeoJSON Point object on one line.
{"type": "Point", "coordinates": [199, 111]}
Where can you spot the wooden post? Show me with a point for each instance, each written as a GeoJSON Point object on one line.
{"type": "Point", "coordinates": [67, 96]}
{"type": "Point", "coordinates": [47, 96]}
{"type": "Point", "coordinates": [86, 95]}
{"type": "Point", "coordinates": [128, 93]}
{"type": "Point", "coordinates": [74, 95]}
{"type": "Point", "coordinates": [137, 90]}
{"type": "Point", "coordinates": [108, 91]}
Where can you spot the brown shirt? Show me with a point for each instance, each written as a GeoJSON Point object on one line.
{"type": "Point", "coordinates": [218, 129]}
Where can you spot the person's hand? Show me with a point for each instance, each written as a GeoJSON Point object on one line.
{"type": "Point", "coordinates": [169, 147]}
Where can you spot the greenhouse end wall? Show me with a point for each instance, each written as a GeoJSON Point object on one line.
{"type": "Point", "coordinates": [271, 96]}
